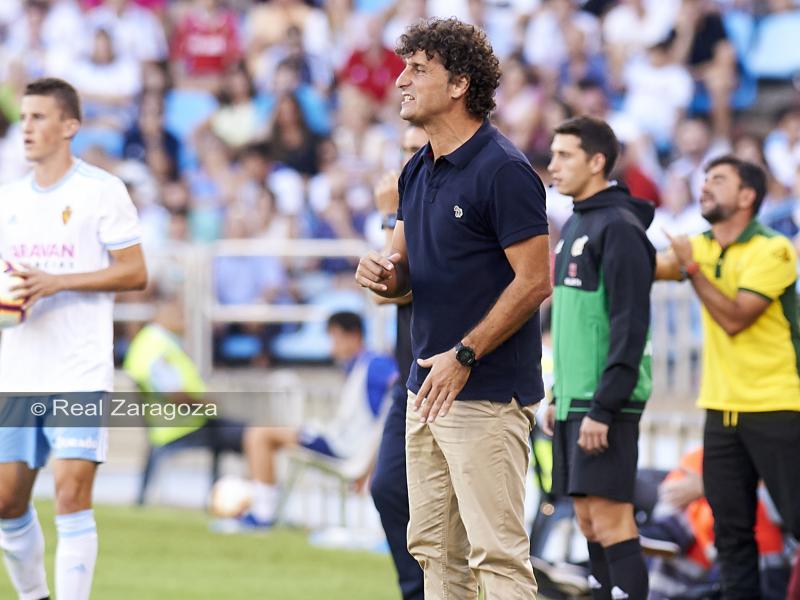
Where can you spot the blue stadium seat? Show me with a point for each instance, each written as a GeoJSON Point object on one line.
{"type": "Point", "coordinates": [184, 111]}
{"type": "Point", "coordinates": [310, 342]}
{"type": "Point", "coordinates": [109, 140]}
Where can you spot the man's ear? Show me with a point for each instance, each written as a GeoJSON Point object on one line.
{"type": "Point", "coordinates": [597, 163]}
{"type": "Point", "coordinates": [70, 128]}
{"type": "Point", "coordinates": [747, 197]}
{"type": "Point", "coordinates": [459, 86]}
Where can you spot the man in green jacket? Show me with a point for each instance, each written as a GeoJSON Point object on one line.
{"type": "Point", "coordinates": [601, 313]}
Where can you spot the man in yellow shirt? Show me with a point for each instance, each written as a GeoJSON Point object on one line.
{"type": "Point", "coordinates": [745, 276]}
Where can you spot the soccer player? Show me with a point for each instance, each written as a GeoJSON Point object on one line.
{"type": "Point", "coordinates": [744, 275]}
{"type": "Point", "coordinates": [601, 315]}
{"type": "Point", "coordinates": [75, 230]}
{"type": "Point", "coordinates": [471, 245]}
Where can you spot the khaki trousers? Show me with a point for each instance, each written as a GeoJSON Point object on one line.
{"type": "Point", "coordinates": [466, 492]}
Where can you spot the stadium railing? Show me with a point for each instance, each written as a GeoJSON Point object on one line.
{"type": "Point", "coordinates": [193, 264]}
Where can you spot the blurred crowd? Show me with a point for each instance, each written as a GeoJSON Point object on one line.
{"type": "Point", "coordinates": [239, 119]}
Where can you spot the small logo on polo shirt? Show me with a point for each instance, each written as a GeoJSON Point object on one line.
{"type": "Point", "coordinates": [66, 214]}
{"type": "Point", "coordinates": [458, 212]}
{"type": "Point", "coordinates": [782, 254]}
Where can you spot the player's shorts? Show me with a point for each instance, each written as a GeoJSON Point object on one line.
{"type": "Point", "coordinates": [314, 440]}
{"type": "Point", "coordinates": [610, 474]}
{"type": "Point", "coordinates": [30, 428]}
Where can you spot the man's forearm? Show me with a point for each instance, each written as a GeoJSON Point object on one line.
{"type": "Point", "coordinates": [398, 285]}
{"type": "Point", "coordinates": [399, 301]}
{"type": "Point", "coordinates": [513, 308]}
{"type": "Point", "coordinates": [721, 308]}
{"type": "Point", "coordinates": [118, 277]}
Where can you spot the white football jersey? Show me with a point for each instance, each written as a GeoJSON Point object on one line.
{"type": "Point", "coordinates": [66, 342]}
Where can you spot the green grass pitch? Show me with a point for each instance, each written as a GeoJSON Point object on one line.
{"type": "Point", "coordinates": [169, 554]}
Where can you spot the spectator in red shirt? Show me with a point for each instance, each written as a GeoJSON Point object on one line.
{"type": "Point", "coordinates": [374, 67]}
{"type": "Point", "coordinates": [206, 40]}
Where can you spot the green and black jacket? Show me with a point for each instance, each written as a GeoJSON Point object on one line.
{"type": "Point", "coordinates": [601, 309]}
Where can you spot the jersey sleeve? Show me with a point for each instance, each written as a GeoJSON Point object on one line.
{"type": "Point", "coordinates": [119, 221]}
{"type": "Point", "coordinates": [628, 263]}
{"type": "Point", "coordinates": [517, 209]}
{"type": "Point", "coordinates": [770, 269]}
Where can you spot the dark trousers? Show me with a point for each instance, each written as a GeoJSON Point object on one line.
{"type": "Point", "coordinates": [740, 449]}
{"type": "Point", "coordinates": [390, 492]}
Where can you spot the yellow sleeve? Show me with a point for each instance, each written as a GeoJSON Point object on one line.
{"type": "Point", "coordinates": [770, 268]}
{"type": "Point", "coordinates": [701, 250]}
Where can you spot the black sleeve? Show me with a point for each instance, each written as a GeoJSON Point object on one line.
{"type": "Point", "coordinates": [401, 184]}
{"type": "Point", "coordinates": [628, 266]}
{"type": "Point", "coordinates": [516, 205]}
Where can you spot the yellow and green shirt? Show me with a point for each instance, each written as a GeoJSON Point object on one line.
{"type": "Point", "coordinates": [757, 369]}
{"type": "Point", "coordinates": [159, 366]}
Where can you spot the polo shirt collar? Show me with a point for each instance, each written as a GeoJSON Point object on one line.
{"type": "Point", "coordinates": [753, 227]}
{"type": "Point", "coordinates": [463, 155]}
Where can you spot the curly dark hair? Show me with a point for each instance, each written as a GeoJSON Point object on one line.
{"type": "Point", "coordinates": [464, 50]}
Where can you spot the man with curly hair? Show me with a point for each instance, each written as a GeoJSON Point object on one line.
{"type": "Point", "coordinates": [471, 244]}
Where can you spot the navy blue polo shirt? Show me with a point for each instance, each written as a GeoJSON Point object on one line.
{"type": "Point", "coordinates": [459, 215]}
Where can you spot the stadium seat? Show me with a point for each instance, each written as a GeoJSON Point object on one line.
{"type": "Point", "coordinates": [184, 111]}
{"type": "Point", "coordinates": [311, 342]}
{"type": "Point", "coordinates": [109, 140]}
{"type": "Point", "coordinates": [345, 471]}
{"type": "Point", "coordinates": [157, 454]}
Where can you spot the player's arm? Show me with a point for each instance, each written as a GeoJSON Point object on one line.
{"type": "Point", "coordinates": [387, 251]}
{"type": "Point", "coordinates": [667, 267]}
{"type": "Point", "coordinates": [127, 271]}
{"type": "Point", "coordinates": [734, 315]}
{"type": "Point", "coordinates": [627, 265]}
{"type": "Point", "coordinates": [527, 251]}
{"type": "Point", "coordinates": [530, 260]}
{"type": "Point", "coordinates": [387, 198]}
{"type": "Point", "coordinates": [387, 275]}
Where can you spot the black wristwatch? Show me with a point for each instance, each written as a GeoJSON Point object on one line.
{"type": "Point", "coordinates": [465, 355]}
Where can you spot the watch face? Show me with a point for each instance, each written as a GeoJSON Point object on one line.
{"type": "Point", "coordinates": [466, 356]}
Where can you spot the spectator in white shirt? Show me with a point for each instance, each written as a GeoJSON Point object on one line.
{"type": "Point", "coordinates": [26, 38]}
{"type": "Point", "coordinates": [658, 92]}
{"type": "Point", "coordinates": [136, 32]}
{"type": "Point", "coordinates": [634, 25]}
{"type": "Point", "coordinates": [782, 146]}
{"type": "Point", "coordinates": [545, 44]}
{"type": "Point", "coordinates": [107, 84]}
